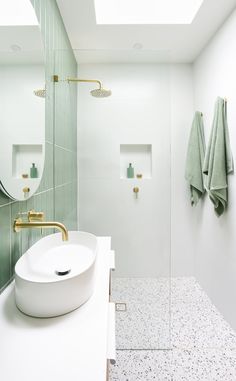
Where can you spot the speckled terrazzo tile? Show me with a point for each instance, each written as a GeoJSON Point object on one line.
{"type": "Point", "coordinates": [195, 321]}
{"type": "Point", "coordinates": [186, 290]}
{"type": "Point", "coordinates": [192, 326]}
{"type": "Point", "coordinates": [225, 336]}
{"type": "Point", "coordinates": [149, 290]}
{"type": "Point", "coordinates": [143, 326]}
{"type": "Point", "coordinates": [200, 325]}
{"type": "Point", "coordinates": [141, 366]}
{"type": "Point", "coordinates": [141, 290]}
{"type": "Point", "coordinates": [204, 365]}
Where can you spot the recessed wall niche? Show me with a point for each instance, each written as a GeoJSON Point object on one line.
{"type": "Point", "coordinates": [140, 156]}
{"type": "Point", "coordinates": [23, 155]}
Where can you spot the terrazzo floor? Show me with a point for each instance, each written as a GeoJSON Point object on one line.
{"type": "Point", "coordinates": [170, 336]}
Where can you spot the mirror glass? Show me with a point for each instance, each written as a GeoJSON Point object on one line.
{"type": "Point", "coordinates": [22, 100]}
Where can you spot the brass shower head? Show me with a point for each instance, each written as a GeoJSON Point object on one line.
{"type": "Point", "coordinates": [40, 93]}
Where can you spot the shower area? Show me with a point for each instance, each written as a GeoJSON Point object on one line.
{"type": "Point", "coordinates": [174, 321]}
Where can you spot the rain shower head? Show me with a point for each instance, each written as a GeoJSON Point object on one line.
{"type": "Point", "coordinates": [98, 93]}
{"type": "Point", "coordinates": [40, 93]}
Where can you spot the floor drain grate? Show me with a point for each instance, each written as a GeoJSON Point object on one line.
{"type": "Point", "coordinates": [121, 307]}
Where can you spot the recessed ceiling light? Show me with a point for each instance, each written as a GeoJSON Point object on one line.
{"type": "Point", "coordinates": [146, 11]}
{"type": "Point", "coordinates": [15, 12]}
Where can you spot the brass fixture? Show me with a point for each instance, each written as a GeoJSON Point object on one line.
{"type": "Point", "coordinates": [35, 220]}
{"type": "Point", "coordinates": [136, 190]}
{"type": "Point", "coordinates": [85, 80]}
{"type": "Point", "coordinates": [55, 78]}
{"type": "Point", "coordinates": [98, 93]}
{"type": "Point", "coordinates": [41, 93]}
{"type": "Point", "coordinates": [26, 189]}
{"type": "Point", "coordinates": [35, 216]}
{"type": "Point", "coordinates": [139, 175]}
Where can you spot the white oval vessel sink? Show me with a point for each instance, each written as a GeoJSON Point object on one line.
{"type": "Point", "coordinates": [55, 277]}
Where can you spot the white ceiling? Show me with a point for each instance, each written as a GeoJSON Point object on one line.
{"type": "Point", "coordinates": [160, 43]}
{"type": "Point", "coordinates": [15, 12]}
{"type": "Point", "coordinates": [27, 42]}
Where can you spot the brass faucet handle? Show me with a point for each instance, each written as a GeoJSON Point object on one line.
{"type": "Point", "coordinates": [35, 216]}
{"type": "Point", "coordinates": [136, 190]}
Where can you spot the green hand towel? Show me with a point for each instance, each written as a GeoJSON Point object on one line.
{"type": "Point", "coordinates": [218, 161]}
{"type": "Point", "coordinates": [195, 159]}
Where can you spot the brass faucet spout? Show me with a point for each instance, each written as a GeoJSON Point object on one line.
{"type": "Point", "coordinates": [19, 224]}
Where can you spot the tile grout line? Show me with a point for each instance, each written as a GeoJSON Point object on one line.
{"type": "Point", "coordinates": [65, 149]}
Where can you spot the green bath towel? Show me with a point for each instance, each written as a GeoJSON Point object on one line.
{"type": "Point", "coordinates": [195, 159]}
{"type": "Point", "coordinates": [218, 161]}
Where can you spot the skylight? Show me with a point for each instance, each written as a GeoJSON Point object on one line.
{"type": "Point", "coordinates": [15, 12]}
{"type": "Point", "coordinates": [146, 11]}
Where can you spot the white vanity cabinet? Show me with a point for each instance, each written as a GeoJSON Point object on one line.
{"type": "Point", "coordinates": [77, 346]}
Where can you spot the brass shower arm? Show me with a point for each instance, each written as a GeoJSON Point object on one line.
{"type": "Point", "coordinates": [85, 80]}
{"type": "Point", "coordinates": [97, 93]}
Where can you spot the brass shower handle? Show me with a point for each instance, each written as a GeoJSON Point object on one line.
{"type": "Point", "coordinates": [35, 216]}
{"type": "Point", "coordinates": [136, 190]}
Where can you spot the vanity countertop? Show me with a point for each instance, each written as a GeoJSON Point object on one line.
{"type": "Point", "coordinates": [71, 347]}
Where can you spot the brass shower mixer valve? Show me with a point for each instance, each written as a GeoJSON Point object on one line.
{"type": "Point", "coordinates": [136, 191]}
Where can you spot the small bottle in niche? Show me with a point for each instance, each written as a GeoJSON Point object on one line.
{"type": "Point", "coordinates": [130, 171]}
{"type": "Point", "coordinates": [33, 171]}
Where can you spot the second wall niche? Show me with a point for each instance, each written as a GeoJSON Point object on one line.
{"type": "Point", "coordinates": [140, 155]}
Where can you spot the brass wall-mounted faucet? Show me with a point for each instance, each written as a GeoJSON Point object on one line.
{"type": "Point", "coordinates": [35, 220]}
